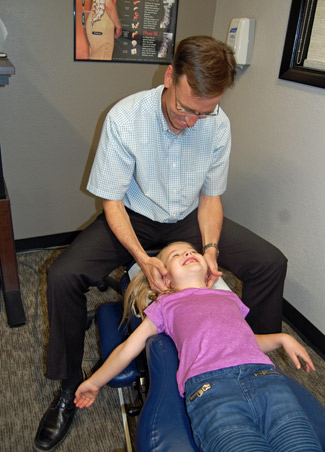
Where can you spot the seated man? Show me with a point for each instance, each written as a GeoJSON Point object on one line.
{"type": "Point", "coordinates": [160, 168]}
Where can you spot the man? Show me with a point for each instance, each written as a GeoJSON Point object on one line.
{"type": "Point", "coordinates": [160, 168]}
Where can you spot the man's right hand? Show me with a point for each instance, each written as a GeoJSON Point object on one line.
{"type": "Point", "coordinates": [119, 221]}
{"type": "Point", "coordinates": [154, 270]}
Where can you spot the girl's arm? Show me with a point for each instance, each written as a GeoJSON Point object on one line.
{"type": "Point", "coordinates": [270, 342]}
{"type": "Point", "coordinates": [118, 360]}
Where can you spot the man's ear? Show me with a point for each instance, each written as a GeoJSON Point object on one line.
{"type": "Point", "coordinates": [168, 78]}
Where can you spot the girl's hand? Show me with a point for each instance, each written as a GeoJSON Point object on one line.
{"type": "Point", "coordinates": [86, 394]}
{"type": "Point", "coordinates": [296, 351]}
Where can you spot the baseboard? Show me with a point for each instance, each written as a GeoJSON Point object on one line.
{"type": "Point", "coordinates": [45, 241]}
{"type": "Point", "coordinates": [309, 333]}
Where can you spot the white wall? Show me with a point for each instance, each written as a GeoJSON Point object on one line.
{"type": "Point", "coordinates": [276, 184]}
{"type": "Point", "coordinates": [51, 115]}
{"type": "Point", "coordinates": [53, 109]}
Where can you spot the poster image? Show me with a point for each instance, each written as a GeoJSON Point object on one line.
{"type": "Point", "coordinates": [140, 31]}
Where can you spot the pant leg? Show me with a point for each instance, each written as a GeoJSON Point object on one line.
{"type": "Point", "coordinates": [100, 38]}
{"type": "Point", "coordinates": [247, 408]}
{"type": "Point", "coordinates": [221, 417]}
{"type": "Point", "coordinates": [262, 269]}
{"type": "Point", "coordinates": [280, 416]}
{"type": "Point", "coordinates": [94, 254]}
{"type": "Point", "coordinates": [186, 230]}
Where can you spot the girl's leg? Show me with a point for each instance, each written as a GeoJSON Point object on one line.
{"type": "Point", "coordinates": [295, 435]}
{"type": "Point", "coordinates": [247, 408]}
{"type": "Point", "coordinates": [222, 418]}
{"type": "Point", "coordinates": [281, 417]}
{"type": "Point", "coordinates": [240, 441]}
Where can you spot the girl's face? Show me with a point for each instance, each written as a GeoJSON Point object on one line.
{"type": "Point", "coordinates": [186, 267]}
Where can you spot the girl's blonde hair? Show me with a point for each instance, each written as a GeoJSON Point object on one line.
{"type": "Point", "coordinates": [139, 293]}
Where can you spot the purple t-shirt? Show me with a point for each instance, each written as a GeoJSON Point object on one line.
{"type": "Point", "coordinates": [209, 330]}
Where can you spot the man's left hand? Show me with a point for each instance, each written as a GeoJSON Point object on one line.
{"type": "Point", "coordinates": [213, 271]}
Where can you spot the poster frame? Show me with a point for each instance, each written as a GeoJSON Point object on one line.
{"type": "Point", "coordinates": [153, 44]}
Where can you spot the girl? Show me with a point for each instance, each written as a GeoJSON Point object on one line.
{"type": "Point", "coordinates": [235, 398]}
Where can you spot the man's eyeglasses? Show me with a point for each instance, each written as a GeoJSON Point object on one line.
{"type": "Point", "coordinates": [187, 111]}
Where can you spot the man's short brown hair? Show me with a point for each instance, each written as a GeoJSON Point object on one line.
{"type": "Point", "coordinates": [209, 65]}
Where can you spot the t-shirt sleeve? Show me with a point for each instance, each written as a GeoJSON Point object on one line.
{"type": "Point", "coordinates": [242, 307]}
{"type": "Point", "coordinates": [154, 312]}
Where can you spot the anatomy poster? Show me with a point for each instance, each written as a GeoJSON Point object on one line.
{"type": "Point", "coordinates": [141, 31]}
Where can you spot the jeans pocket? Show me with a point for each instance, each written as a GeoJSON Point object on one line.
{"type": "Point", "coordinates": [267, 372]}
{"type": "Point", "coordinates": [199, 392]}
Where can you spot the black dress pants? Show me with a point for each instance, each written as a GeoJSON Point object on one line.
{"type": "Point", "coordinates": [96, 252]}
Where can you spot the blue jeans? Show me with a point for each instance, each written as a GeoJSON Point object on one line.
{"type": "Point", "coordinates": [247, 408]}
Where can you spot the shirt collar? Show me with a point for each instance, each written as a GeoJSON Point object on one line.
{"type": "Point", "coordinates": [161, 116]}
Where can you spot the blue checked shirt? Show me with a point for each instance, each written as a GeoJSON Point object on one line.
{"type": "Point", "coordinates": [157, 173]}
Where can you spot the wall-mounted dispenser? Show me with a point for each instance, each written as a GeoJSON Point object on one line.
{"type": "Point", "coordinates": [241, 38]}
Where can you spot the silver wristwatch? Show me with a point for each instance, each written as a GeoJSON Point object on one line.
{"type": "Point", "coordinates": [215, 245]}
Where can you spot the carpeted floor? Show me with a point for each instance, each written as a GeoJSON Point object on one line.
{"type": "Point", "coordinates": [26, 393]}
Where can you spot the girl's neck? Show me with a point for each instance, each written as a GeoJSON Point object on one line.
{"type": "Point", "coordinates": [192, 285]}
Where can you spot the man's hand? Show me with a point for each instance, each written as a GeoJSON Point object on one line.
{"type": "Point", "coordinates": [155, 270]}
{"type": "Point", "coordinates": [210, 257]}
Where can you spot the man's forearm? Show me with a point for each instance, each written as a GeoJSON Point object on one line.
{"type": "Point", "coordinates": [210, 217]}
{"type": "Point", "coordinates": [119, 222]}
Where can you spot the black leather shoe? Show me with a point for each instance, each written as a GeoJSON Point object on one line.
{"type": "Point", "coordinates": [56, 422]}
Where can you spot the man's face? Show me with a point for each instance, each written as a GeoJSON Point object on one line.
{"type": "Point", "coordinates": [181, 108]}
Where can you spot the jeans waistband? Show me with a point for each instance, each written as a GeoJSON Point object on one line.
{"type": "Point", "coordinates": [234, 371]}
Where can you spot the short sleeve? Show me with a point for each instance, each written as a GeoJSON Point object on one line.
{"type": "Point", "coordinates": [216, 180]}
{"type": "Point", "coordinates": [242, 307]}
{"type": "Point", "coordinates": [113, 165]}
{"type": "Point", "coordinates": [154, 312]}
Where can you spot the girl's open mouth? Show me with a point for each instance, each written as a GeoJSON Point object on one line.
{"type": "Point", "coordinates": [190, 260]}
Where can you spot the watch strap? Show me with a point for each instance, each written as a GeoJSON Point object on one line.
{"type": "Point", "coordinates": [209, 245]}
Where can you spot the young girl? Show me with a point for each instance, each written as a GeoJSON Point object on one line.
{"type": "Point", "coordinates": [235, 398]}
